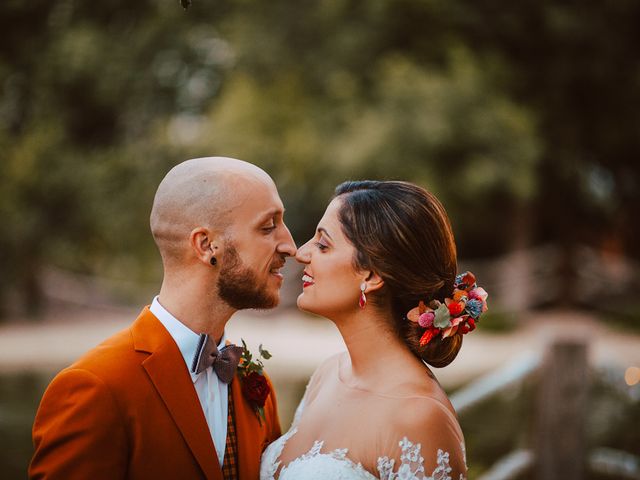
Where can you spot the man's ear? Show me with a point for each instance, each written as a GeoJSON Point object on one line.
{"type": "Point", "coordinates": [205, 244]}
{"type": "Point", "coordinates": [374, 282]}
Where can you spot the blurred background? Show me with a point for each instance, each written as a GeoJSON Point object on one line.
{"type": "Point", "coordinates": [522, 117]}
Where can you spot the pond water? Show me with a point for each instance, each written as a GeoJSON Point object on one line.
{"type": "Point", "coordinates": [20, 395]}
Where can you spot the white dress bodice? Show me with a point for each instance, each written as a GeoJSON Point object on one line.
{"type": "Point", "coordinates": [317, 464]}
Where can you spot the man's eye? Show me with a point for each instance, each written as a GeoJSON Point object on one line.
{"type": "Point", "coordinates": [270, 228]}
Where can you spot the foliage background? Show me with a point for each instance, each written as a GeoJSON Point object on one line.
{"type": "Point", "coordinates": [520, 116]}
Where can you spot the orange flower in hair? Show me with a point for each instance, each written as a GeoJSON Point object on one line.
{"type": "Point", "coordinates": [457, 315]}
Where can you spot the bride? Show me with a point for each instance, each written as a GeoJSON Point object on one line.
{"type": "Point", "coordinates": [382, 267]}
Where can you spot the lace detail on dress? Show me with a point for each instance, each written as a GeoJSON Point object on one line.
{"type": "Point", "coordinates": [337, 454]}
{"type": "Point", "coordinates": [270, 463]}
{"type": "Point", "coordinates": [412, 465]}
{"type": "Point", "coordinates": [315, 464]}
{"type": "Point", "coordinates": [315, 450]}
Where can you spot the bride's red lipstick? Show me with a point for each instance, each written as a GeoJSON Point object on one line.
{"type": "Point", "coordinates": [307, 280]}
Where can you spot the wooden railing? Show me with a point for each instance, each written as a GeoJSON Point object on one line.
{"type": "Point", "coordinates": [562, 396]}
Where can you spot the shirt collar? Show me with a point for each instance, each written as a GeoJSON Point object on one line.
{"type": "Point", "coordinates": [185, 338]}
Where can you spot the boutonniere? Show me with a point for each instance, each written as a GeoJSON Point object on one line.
{"type": "Point", "coordinates": [254, 385]}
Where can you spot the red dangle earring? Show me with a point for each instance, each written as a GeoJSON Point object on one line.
{"type": "Point", "coordinates": [362, 302]}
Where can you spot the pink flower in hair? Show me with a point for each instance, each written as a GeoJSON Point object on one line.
{"type": "Point", "coordinates": [479, 293]}
{"type": "Point", "coordinates": [426, 319]}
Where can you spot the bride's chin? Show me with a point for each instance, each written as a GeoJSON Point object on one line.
{"type": "Point", "coordinates": [303, 304]}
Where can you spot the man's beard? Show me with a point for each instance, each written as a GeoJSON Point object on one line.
{"type": "Point", "coordinates": [238, 285]}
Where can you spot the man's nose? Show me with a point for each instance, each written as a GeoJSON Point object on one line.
{"type": "Point", "coordinates": [287, 245]}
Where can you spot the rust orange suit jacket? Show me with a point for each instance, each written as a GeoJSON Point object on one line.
{"type": "Point", "coordinates": [128, 410]}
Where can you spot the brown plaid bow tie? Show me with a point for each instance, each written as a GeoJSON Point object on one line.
{"type": "Point", "coordinates": [224, 362]}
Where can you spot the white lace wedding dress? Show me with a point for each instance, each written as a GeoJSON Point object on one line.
{"type": "Point", "coordinates": [319, 463]}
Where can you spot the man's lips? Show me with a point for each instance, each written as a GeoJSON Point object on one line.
{"type": "Point", "coordinates": [307, 280]}
{"type": "Point", "coordinates": [275, 270]}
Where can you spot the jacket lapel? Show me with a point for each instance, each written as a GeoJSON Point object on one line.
{"type": "Point", "coordinates": [250, 434]}
{"type": "Point", "coordinates": [166, 369]}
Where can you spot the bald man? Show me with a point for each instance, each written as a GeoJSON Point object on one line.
{"type": "Point", "coordinates": [162, 399]}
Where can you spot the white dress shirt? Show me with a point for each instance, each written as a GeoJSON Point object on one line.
{"type": "Point", "coordinates": [212, 393]}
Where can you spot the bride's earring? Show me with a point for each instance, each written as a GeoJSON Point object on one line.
{"type": "Point", "coordinates": [362, 302]}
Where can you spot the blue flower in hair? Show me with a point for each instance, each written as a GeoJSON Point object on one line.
{"type": "Point", "coordinates": [474, 307]}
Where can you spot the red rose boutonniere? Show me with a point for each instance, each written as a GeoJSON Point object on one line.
{"type": "Point", "coordinates": [254, 385]}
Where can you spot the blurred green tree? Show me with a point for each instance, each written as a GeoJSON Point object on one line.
{"type": "Point", "coordinates": [449, 129]}
{"type": "Point", "coordinates": [85, 87]}
{"type": "Point", "coordinates": [576, 66]}
{"type": "Point", "coordinates": [508, 112]}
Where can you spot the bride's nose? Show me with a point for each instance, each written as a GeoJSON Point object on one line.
{"type": "Point", "coordinates": [303, 255]}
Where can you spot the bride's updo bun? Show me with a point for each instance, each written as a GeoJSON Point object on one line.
{"type": "Point", "coordinates": [402, 232]}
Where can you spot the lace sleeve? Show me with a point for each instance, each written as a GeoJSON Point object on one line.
{"type": "Point", "coordinates": [412, 465]}
{"type": "Point", "coordinates": [431, 448]}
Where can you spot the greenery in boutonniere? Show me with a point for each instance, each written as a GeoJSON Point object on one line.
{"type": "Point", "coordinates": [255, 387]}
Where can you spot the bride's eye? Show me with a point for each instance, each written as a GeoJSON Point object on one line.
{"type": "Point", "coordinates": [321, 246]}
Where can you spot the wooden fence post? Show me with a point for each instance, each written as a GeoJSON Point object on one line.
{"type": "Point", "coordinates": [561, 411]}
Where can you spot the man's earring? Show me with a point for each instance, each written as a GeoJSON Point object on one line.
{"type": "Point", "coordinates": [362, 302]}
{"type": "Point", "coordinates": [213, 260]}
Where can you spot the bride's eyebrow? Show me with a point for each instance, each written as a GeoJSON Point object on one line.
{"type": "Point", "coordinates": [324, 230]}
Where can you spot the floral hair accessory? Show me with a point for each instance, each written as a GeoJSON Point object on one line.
{"type": "Point", "coordinates": [458, 314]}
{"type": "Point", "coordinates": [254, 385]}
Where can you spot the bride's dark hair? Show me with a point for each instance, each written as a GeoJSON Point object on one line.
{"type": "Point", "coordinates": [402, 232]}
